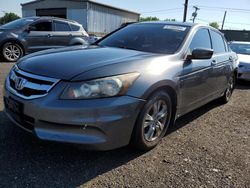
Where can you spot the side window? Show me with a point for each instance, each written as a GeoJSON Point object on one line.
{"type": "Point", "coordinates": [61, 26]}
{"type": "Point", "coordinates": [42, 26]}
{"type": "Point", "coordinates": [218, 42]}
{"type": "Point", "coordinates": [74, 27]}
{"type": "Point", "coordinates": [201, 39]}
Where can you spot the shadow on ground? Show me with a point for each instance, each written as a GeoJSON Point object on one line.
{"type": "Point", "coordinates": [26, 161]}
{"type": "Point", "coordinates": [243, 85]}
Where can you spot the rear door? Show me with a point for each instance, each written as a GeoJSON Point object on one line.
{"type": "Point", "coordinates": [221, 62]}
{"type": "Point", "coordinates": [38, 37]}
{"type": "Point", "coordinates": [195, 83]}
{"type": "Point", "coordinates": [62, 34]}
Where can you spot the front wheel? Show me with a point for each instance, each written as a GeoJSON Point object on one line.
{"type": "Point", "coordinates": [12, 52]}
{"type": "Point", "coordinates": [229, 91]}
{"type": "Point", "coordinates": [153, 121]}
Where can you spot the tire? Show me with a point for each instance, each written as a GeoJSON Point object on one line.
{"type": "Point", "coordinates": [229, 91]}
{"type": "Point", "coordinates": [151, 125]}
{"type": "Point", "coordinates": [12, 51]}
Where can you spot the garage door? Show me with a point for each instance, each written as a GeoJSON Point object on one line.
{"type": "Point", "coordinates": [56, 12]}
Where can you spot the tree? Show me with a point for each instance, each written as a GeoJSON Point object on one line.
{"type": "Point", "coordinates": [149, 19]}
{"type": "Point", "coordinates": [215, 25]}
{"type": "Point", "coordinates": [8, 17]}
{"type": "Point", "coordinates": [170, 20]}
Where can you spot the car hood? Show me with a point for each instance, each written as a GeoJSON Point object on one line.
{"type": "Point", "coordinates": [66, 63]}
{"type": "Point", "coordinates": [244, 58]}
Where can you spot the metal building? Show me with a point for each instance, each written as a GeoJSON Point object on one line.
{"type": "Point", "coordinates": [95, 17]}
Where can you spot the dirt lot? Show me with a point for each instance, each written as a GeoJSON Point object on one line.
{"type": "Point", "coordinates": [209, 147]}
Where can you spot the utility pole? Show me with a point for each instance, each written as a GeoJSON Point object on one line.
{"type": "Point", "coordinates": [195, 13]}
{"type": "Point", "coordinates": [185, 11]}
{"type": "Point", "coordinates": [224, 18]}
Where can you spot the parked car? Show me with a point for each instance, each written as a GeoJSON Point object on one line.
{"type": "Point", "coordinates": [27, 35]}
{"type": "Point", "coordinates": [128, 88]}
{"type": "Point", "coordinates": [243, 51]}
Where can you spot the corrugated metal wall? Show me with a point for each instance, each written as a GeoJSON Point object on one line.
{"type": "Point", "coordinates": [79, 15]}
{"type": "Point", "coordinates": [96, 18]}
{"type": "Point", "coordinates": [103, 20]}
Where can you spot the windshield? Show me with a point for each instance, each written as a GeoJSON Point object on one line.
{"type": "Point", "coordinates": [240, 48]}
{"type": "Point", "coordinates": [148, 37]}
{"type": "Point", "coordinates": [18, 23]}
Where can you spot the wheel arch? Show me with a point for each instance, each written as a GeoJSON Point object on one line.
{"type": "Point", "coordinates": [170, 88]}
{"type": "Point", "coordinates": [162, 86]}
{"type": "Point", "coordinates": [77, 40]}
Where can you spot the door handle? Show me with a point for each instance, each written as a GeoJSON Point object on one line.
{"type": "Point", "coordinates": [213, 63]}
{"type": "Point", "coordinates": [70, 35]}
{"type": "Point", "coordinates": [49, 35]}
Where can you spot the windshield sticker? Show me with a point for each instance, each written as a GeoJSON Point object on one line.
{"type": "Point", "coordinates": [174, 27]}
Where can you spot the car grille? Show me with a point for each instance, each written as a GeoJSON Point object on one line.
{"type": "Point", "coordinates": [29, 86]}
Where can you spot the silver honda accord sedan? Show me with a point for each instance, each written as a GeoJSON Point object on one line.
{"type": "Point", "coordinates": [126, 88]}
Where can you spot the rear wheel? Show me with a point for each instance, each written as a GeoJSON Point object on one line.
{"type": "Point", "coordinates": [12, 51]}
{"type": "Point", "coordinates": [229, 91]}
{"type": "Point", "coordinates": [153, 121]}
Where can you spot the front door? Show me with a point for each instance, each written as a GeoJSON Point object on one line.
{"type": "Point", "coordinates": [39, 36]}
{"type": "Point", "coordinates": [195, 82]}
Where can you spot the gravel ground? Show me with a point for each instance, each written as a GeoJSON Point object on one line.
{"type": "Point", "coordinates": [209, 147]}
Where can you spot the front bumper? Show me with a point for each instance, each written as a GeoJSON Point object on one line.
{"type": "Point", "coordinates": [97, 124]}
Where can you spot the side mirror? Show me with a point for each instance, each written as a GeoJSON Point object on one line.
{"type": "Point", "coordinates": [201, 53]}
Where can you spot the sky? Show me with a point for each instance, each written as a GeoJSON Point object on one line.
{"type": "Point", "coordinates": [238, 11]}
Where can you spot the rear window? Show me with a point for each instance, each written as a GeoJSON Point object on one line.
{"type": "Point", "coordinates": [218, 42]}
{"type": "Point", "coordinates": [148, 37]}
{"type": "Point", "coordinates": [61, 26]}
{"type": "Point", "coordinates": [74, 27]}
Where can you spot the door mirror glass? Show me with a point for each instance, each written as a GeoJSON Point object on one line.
{"type": "Point", "coordinates": [201, 53]}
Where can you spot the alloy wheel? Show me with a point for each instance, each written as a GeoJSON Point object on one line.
{"type": "Point", "coordinates": [155, 120]}
{"type": "Point", "coordinates": [12, 52]}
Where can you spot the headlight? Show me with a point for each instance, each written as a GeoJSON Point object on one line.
{"type": "Point", "coordinates": [100, 88]}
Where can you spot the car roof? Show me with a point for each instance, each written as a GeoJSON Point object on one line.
{"type": "Point", "coordinates": [54, 18]}
{"type": "Point", "coordinates": [170, 23]}
{"type": "Point", "coordinates": [184, 24]}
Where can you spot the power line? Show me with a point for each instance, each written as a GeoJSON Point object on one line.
{"type": "Point", "coordinates": [225, 8]}
{"type": "Point", "coordinates": [163, 13]}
